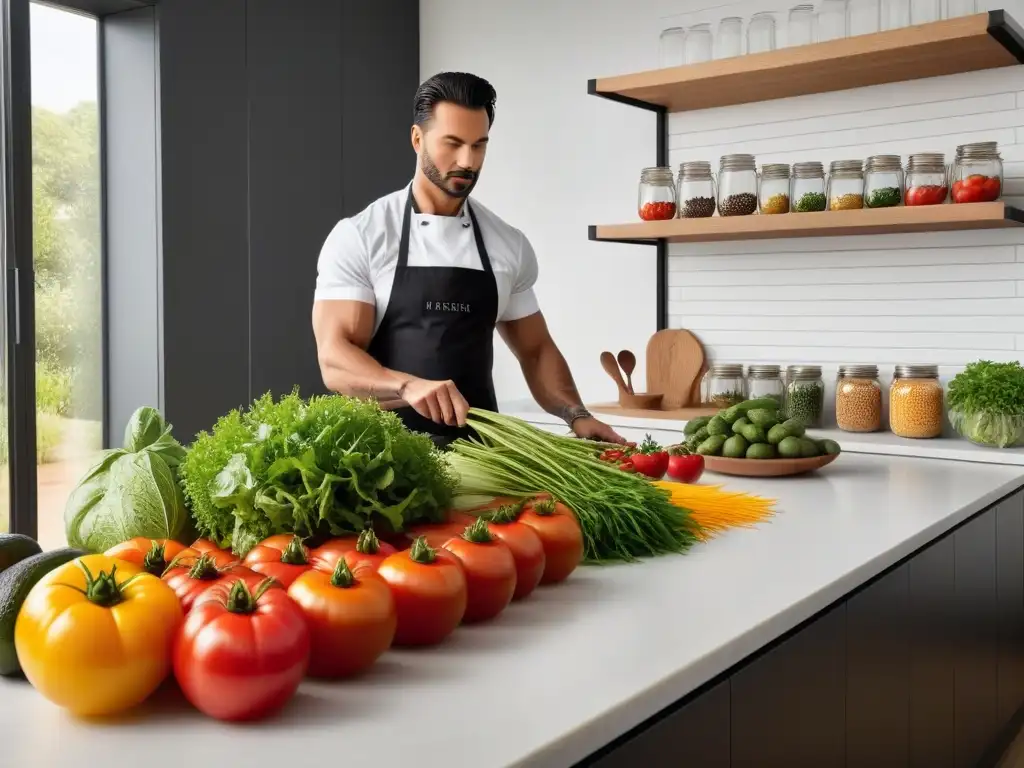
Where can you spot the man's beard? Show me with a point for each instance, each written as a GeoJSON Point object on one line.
{"type": "Point", "coordinates": [457, 184]}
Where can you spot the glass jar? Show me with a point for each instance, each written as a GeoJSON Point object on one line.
{"type": "Point", "coordinates": [858, 399]}
{"type": "Point", "coordinates": [761, 32]}
{"type": "Point", "coordinates": [774, 188]}
{"type": "Point", "coordinates": [977, 175]}
{"type": "Point", "coordinates": [724, 385]}
{"type": "Point", "coordinates": [808, 188]}
{"type": "Point", "coordinates": [845, 185]}
{"type": "Point", "coordinates": [737, 185]}
{"type": "Point", "coordinates": [895, 14]}
{"type": "Point", "coordinates": [954, 8]}
{"type": "Point", "coordinates": [729, 42]}
{"type": "Point", "coordinates": [926, 179]}
{"type": "Point", "coordinates": [862, 17]}
{"type": "Point", "coordinates": [830, 23]}
{"type": "Point", "coordinates": [915, 401]}
{"type": "Point", "coordinates": [657, 196]}
{"type": "Point", "coordinates": [800, 30]}
{"type": "Point", "coordinates": [765, 381]}
{"type": "Point", "coordinates": [805, 394]}
{"type": "Point", "coordinates": [883, 181]}
{"type": "Point", "coordinates": [672, 47]}
{"type": "Point", "coordinates": [698, 44]}
{"type": "Point", "coordinates": [924, 11]}
{"type": "Point", "coordinates": [696, 190]}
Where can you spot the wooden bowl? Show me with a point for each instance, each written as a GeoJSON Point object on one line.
{"type": "Point", "coordinates": [766, 467]}
{"type": "Point", "coordinates": [642, 401]}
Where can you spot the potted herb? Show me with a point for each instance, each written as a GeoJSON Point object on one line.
{"type": "Point", "coordinates": [986, 403]}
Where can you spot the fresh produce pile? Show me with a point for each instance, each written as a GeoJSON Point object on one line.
{"type": "Point", "coordinates": [986, 403]}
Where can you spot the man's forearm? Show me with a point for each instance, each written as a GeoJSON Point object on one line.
{"type": "Point", "coordinates": [349, 370]}
{"type": "Point", "coordinates": [550, 380]}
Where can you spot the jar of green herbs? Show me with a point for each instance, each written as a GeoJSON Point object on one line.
{"type": "Point", "coordinates": [724, 385]}
{"type": "Point", "coordinates": [805, 394]}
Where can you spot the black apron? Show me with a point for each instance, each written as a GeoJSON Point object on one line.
{"type": "Point", "coordinates": [439, 325]}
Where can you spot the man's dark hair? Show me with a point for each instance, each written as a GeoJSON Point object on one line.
{"type": "Point", "coordinates": [460, 88]}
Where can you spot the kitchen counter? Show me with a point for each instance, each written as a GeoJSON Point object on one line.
{"type": "Point", "coordinates": [561, 674]}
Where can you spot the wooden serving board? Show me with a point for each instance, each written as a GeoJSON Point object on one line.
{"type": "Point", "coordinates": [672, 414]}
{"type": "Point", "coordinates": [766, 467]}
{"type": "Point", "coordinates": [674, 361]}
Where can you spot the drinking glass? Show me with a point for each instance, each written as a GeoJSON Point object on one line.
{"type": "Point", "coordinates": [698, 44]}
{"type": "Point", "coordinates": [671, 48]}
{"type": "Point", "coordinates": [761, 33]}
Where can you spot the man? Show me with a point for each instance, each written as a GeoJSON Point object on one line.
{"type": "Point", "coordinates": [409, 291]}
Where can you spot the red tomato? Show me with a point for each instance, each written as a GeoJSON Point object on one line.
{"type": "Point", "coordinates": [221, 557]}
{"type": "Point", "coordinates": [560, 534]}
{"type": "Point", "coordinates": [930, 194]}
{"type": "Point", "coordinates": [991, 189]}
{"type": "Point", "coordinates": [283, 557]}
{"type": "Point", "coordinates": [686, 469]}
{"type": "Point", "coordinates": [975, 180]}
{"type": "Point", "coordinates": [525, 545]}
{"type": "Point", "coordinates": [367, 550]}
{"type": "Point", "coordinates": [152, 555]}
{"type": "Point", "coordinates": [429, 586]}
{"type": "Point", "coordinates": [241, 654]}
{"type": "Point", "coordinates": [438, 533]}
{"type": "Point", "coordinates": [490, 571]}
{"type": "Point", "coordinates": [650, 464]}
{"type": "Point", "coordinates": [351, 616]}
{"type": "Point", "coordinates": [190, 580]}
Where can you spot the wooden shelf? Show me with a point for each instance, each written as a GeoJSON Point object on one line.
{"type": "Point", "coordinates": [965, 44]}
{"type": "Point", "coordinates": [925, 218]}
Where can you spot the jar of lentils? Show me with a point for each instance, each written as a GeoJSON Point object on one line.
{"type": "Point", "coordinates": [808, 188]}
{"type": "Point", "coordinates": [926, 182]}
{"type": "Point", "coordinates": [774, 191]}
{"type": "Point", "coordinates": [915, 401]}
{"type": "Point", "coordinates": [977, 175]}
{"type": "Point", "coordinates": [765, 381]}
{"type": "Point", "coordinates": [696, 188]}
{"type": "Point", "coordinates": [845, 185]}
{"type": "Point", "coordinates": [657, 196]}
{"type": "Point", "coordinates": [723, 385]}
{"type": "Point", "coordinates": [858, 399]}
{"type": "Point", "coordinates": [805, 394]}
{"type": "Point", "coordinates": [737, 185]}
{"type": "Point", "coordinates": [883, 181]}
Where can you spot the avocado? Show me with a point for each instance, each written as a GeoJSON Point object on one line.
{"type": "Point", "coordinates": [761, 451]}
{"type": "Point", "coordinates": [15, 547]}
{"type": "Point", "coordinates": [735, 447]}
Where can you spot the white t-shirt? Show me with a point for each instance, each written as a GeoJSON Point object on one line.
{"type": "Point", "coordinates": [358, 259]}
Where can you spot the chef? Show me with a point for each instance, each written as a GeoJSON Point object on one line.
{"type": "Point", "coordinates": [410, 290]}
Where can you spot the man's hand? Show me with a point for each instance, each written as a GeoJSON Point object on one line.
{"type": "Point", "coordinates": [592, 429]}
{"type": "Point", "coordinates": [439, 401]}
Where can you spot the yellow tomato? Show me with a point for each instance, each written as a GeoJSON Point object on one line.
{"type": "Point", "coordinates": [95, 635]}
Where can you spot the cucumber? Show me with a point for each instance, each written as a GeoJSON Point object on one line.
{"type": "Point", "coordinates": [754, 434]}
{"type": "Point", "coordinates": [778, 433]}
{"type": "Point", "coordinates": [828, 447]}
{"type": "Point", "coordinates": [763, 418]}
{"type": "Point", "coordinates": [712, 446]}
{"type": "Point", "coordinates": [15, 584]}
{"type": "Point", "coordinates": [717, 426]}
{"type": "Point", "coordinates": [694, 424]}
{"type": "Point", "coordinates": [761, 451]}
{"type": "Point", "coordinates": [766, 403]}
{"type": "Point", "coordinates": [739, 424]}
{"type": "Point", "coordinates": [15, 547]}
{"type": "Point", "coordinates": [735, 447]}
{"type": "Point", "coordinates": [795, 427]}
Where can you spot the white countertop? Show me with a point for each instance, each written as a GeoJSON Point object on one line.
{"type": "Point", "coordinates": [560, 674]}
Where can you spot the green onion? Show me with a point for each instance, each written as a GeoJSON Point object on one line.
{"type": "Point", "coordinates": [623, 516]}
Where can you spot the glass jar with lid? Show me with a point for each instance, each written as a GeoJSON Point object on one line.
{"type": "Point", "coordinates": [883, 181]}
{"type": "Point", "coordinates": [761, 32]}
{"type": "Point", "coordinates": [805, 394]}
{"type": "Point", "coordinates": [729, 40]}
{"type": "Point", "coordinates": [698, 44]}
{"type": "Point", "coordinates": [696, 190]}
{"type": "Point", "coordinates": [915, 401]}
{"type": "Point", "coordinates": [858, 398]}
{"type": "Point", "coordinates": [774, 188]}
{"type": "Point", "coordinates": [765, 381]}
{"type": "Point", "coordinates": [657, 196]}
{"type": "Point", "coordinates": [808, 188]}
{"type": "Point", "coordinates": [737, 185]}
{"type": "Point", "coordinates": [724, 385]}
{"type": "Point", "coordinates": [977, 175]}
{"type": "Point", "coordinates": [845, 185]}
{"type": "Point", "coordinates": [926, 179]}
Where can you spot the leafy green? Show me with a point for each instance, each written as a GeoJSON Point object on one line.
{"type": "Point", "coordinates": [986, 403]}
{"type": "Point", "coordinates": [332, 464]}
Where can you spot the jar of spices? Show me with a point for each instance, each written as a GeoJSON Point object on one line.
{"type": "Point", "coordinates": [915, 401]}
{"type": "Point", "coordinates": [657, 194]}
{"type": "Point", "coordinates": [926, 179]}
{"type": "Point", "coordinates": [808, 188]}
{"type": "Point", "coordinates": [774, 190]}
{"type": "Point", "coordinates": [723, 385]}
{"type": "Point", "coordinates": [977, 175]}
{"type": "Point", "coordinates": [858, 399]}
{"type": "Point", "coordinates": [765, 381]}
{"type": "Point", "coordinates": [845, 185]}
{"type": "Point", "coordinates": [737, 185]}
{"type": "Point", "coordinates": [883, 181]}
{"type": "Point", "coordinates": [805, 394]}
{"type": "Point", "coordinates": [696, 188]}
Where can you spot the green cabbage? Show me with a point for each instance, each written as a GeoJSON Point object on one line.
{"type": "Point", "coordinates": [130, 491]}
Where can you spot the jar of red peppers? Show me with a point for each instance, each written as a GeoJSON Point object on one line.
{"type": "Point", "coordinates": [977, 175]}
{"type": "Point", "coordinates": [696, 190]}
{"type": "Point", "coordinates": [657, 194]}
{"type": "Point", "coordinates": [926, 179]}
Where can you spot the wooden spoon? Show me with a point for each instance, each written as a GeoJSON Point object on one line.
{"type": "Point", "coordinates": [611, 367]}
{"type": "Point", "coordinates": [628, 362]}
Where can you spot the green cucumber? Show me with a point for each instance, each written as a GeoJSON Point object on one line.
{"type": "Point", "coordinates": [15, 584]}
{"type": "Point", "coordinates": [15, 547]}
{"type": "Point", "coordinates": [767, 403]}
{"type": "Point", "coordinates": [717, 426]}
{"type": "Point", "coordinates": [694, 424]}
{"type": "Point", "coordinates": [712, 446]}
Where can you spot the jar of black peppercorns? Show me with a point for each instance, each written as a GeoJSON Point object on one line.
{"type": "Point", "coordinates": [696, 188]}
{"type": "Point", "coordinates": [808, 188]}
{"type": "Point", "coordinates": [737, 185]}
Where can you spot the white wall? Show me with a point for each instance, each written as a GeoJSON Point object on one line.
{"type": "Point", "coordinates": [561, 160]}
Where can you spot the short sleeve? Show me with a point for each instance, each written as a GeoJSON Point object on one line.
{"type": "Point", "coordinates": [523, 301]}
{"type": "Point", "coordinates": [343, 269]}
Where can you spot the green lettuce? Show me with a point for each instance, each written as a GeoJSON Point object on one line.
{"type": "Point", "coordinates": [986, 403]}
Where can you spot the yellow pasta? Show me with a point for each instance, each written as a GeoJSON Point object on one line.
{"type": "Point", "coordinates": [714, 510]}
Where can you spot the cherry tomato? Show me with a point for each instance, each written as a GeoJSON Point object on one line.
{"type": "Point", "coordinates": [351, 616]}
{"type": "Point", "coordinates": [152, 555]}
{"type": "Point", "coordinates": [429, 586]}
{"type": "Point", "coordinates": [190, 580]}
{"type": "Point", "coordinates": [241, 654]}
{"type": "Point", "coordinates": [283, 557]}
{"type": "Point", "coordinates": [490, 571]}
{"type": "Point", "coordinates": [366, 550]}
{"type": "Point", "coordinates": [560, 534]}
{"type": "Point", "coordinates": [525, 545]}
{"type": "Point", "coordinates": [221, 557]}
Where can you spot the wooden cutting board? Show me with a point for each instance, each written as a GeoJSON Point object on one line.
{"type": "Point", "coordinates": [674, 362]}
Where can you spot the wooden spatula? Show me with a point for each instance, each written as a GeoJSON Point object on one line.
{"type": "Point", "coordinates": [674, 361]}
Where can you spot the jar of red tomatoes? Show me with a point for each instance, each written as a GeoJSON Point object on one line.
{"type": "Point", "coordinates": [657, 194]}
{"type": "Point", "coordinates": [977, 175]}
{"type": "Point", "coordinates": [926, 179]}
